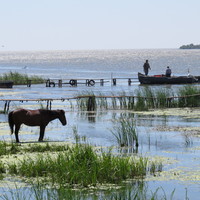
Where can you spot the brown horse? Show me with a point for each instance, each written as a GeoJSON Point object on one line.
{"type": "Point", "coordinates": [39, 117]}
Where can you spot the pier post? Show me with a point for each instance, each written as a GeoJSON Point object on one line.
{"type": "Point", "coordinates": [60, 83]}
{"type": "Point", "coordinates": [129, 81]}
{"type": "Point", "coordinates": [114, 80]}
{"type": "Point", "coordinates": [91, 103]}
{"type": "Point", "coordinates": [101, 82]}
{"type": "Point", "coordinates": [87, 82]}
{"type": "Point", "coordinates": [48, 83]}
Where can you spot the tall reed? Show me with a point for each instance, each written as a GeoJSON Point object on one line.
{"type": "Point", "coordinates": [125, 132]}
{"type": "Point", "coordinates": [189, 101]}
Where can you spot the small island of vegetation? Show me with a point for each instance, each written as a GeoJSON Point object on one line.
{"type": "Point", "coordinates": [190, 46]}
{"type": "Point", "coordinates": [20, 79]}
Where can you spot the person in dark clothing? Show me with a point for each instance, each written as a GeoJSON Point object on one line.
{"type": "Point", "coordinates": [168, 72]}
{"type": "Point", "coordinates": [146, 67]}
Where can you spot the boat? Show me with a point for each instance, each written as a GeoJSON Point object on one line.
{"type": "Point", "coordinates": [6, 84]}
{"type": "Point", "coordinates": [162, 79]}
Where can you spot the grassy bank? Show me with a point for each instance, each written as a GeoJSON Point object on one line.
{"type": "Point", "coordinates": [20, 79]}
{"type": "Point", "coordinates": [74, 165]}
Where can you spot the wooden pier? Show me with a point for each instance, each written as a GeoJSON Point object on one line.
{"type": "Point", "coordinates": [87, 82]}
{"type": "Point", "coordinates": [74, 82]}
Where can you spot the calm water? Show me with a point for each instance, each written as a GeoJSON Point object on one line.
{"type": "Point", "coordinates": [99, 64]}
{"type": "Point", "coordinates": [104, 64]}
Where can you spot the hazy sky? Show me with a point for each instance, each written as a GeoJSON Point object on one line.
{"type": "Point", "coordinates": [98, 24]}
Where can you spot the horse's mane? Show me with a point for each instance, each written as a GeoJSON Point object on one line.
{"type": "Point", "coordinates": [50, 112]}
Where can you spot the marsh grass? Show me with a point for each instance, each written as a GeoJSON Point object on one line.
{"type": "Point", "coordinates": [8, 148]}
{"type": "Point", "coordinates": [14, 148]}
{"type": "Point", "coordinates": [125, 132]}
{"type": "Point", "coordinates": [82, 166]}
{"type": "Point", "coordinates": [145, 98]}
{"type": "Point", "coordinates": [190, 101]}
{"type": "Point", "coordinates": [31, 148]}
{"type": "Point", "coordinates": [20, 79]}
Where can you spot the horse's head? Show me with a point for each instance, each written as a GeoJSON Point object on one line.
{"type": "Point", "coordinates": [61, 117]}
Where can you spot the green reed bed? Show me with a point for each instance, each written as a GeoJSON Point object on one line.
{"type": "Point", "coordinates": [20, 79]}
{"type": "Point", "coordinates": [192, 99]}
{"type": "Point", "coordinates": [81, 165]}
{"type": "Point", "coordinates": [144, 98]}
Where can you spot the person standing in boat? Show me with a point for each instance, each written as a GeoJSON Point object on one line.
{"type": "Point", "coordinates": [146, 67]}
{"type": "Point", "coordinates": [168, 72]}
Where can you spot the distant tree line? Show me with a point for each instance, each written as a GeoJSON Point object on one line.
{"type": "Point", "coordinates": [190, 46]}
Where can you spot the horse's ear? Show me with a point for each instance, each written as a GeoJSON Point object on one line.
{"type": "Point", "coordinates": [62, 111]}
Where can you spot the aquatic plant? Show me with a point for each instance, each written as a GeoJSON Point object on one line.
{"type": "Point", "coordinates": [81, 165]}
{"type": "Point", "coordinates": [145, 98]}
{"type": "Point", "coordinates": [125, 132]}
{"type": "Point", "coordinates": [162, 98]}
{"type": "Point", "coordinates": [20, 79]}
{"type": "Point", "coordinates": [189, 96]}
{"type": "Point", "coordinates": [8, 148]}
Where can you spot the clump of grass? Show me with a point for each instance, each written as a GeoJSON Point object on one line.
{"type": "Point", "coordinates": [8, 148]}
{"type": "Point", "coordinates": [20, 79]}
{"type": "Point", "coordinates": [163, 98]}
{"type": "Point", "coordinates": [189, 101]}
{"type": "Point", "coordinates": [125, 132]}
{"type": "Point", "coordinates": [81, 165]}
{"type": "Point", "coordinates": [13, 148]}
{"type": "Point", "coordinates": [140, 103]}
{"type": "Point", "coordinates": [45, 148]}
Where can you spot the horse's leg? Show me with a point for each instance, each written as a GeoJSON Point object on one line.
{"type": "Point", "coordinates": [17, 127]}
{"type": "Point", "coordinates": [42, 129]}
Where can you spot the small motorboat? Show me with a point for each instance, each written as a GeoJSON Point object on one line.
{"type": "Point", "coordinates": [162, 79]}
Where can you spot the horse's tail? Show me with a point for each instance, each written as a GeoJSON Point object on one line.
{"type": "Point", "coordinates": [10, 121]}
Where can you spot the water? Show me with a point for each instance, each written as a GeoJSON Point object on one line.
{"type": "Point", "coordinates": [99, 64]}
{"type": "Point", "coordinates": [102, 65]}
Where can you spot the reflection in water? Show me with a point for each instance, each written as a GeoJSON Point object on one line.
{"type": "Point", "coordinates": [128, 150]}
{"type": "Point", "coordinates": [133, 190]}
{"type": "Point", "coordinates": [91, 116]}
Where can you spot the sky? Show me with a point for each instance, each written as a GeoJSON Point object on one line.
{"type": "Point", "coordinates": [98, 24]}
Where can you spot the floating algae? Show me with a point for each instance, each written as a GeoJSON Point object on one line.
{"type": "Point", "coordinates": [189, 113]}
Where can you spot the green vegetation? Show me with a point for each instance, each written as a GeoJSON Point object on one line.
{"type": "Point", "coordinates": [190, 46]}
{"type": "Point", "coordinates": [125, 132]}
{"type": "Point", "coordinates": [81, 165]}
{"type": "Point", "coordinates": [21, 79]}
{"type": "Point", "coordinates": [189, 96]}
{"type": "Point", "coordinates": [145, 98]}
{"type": "Point", "coordinates": [14, 148]}
{"type": "Point", "coordinates": [78, 164]}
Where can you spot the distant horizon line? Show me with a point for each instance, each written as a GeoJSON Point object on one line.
{"type": "Point", "coordinates": [117, 49]}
